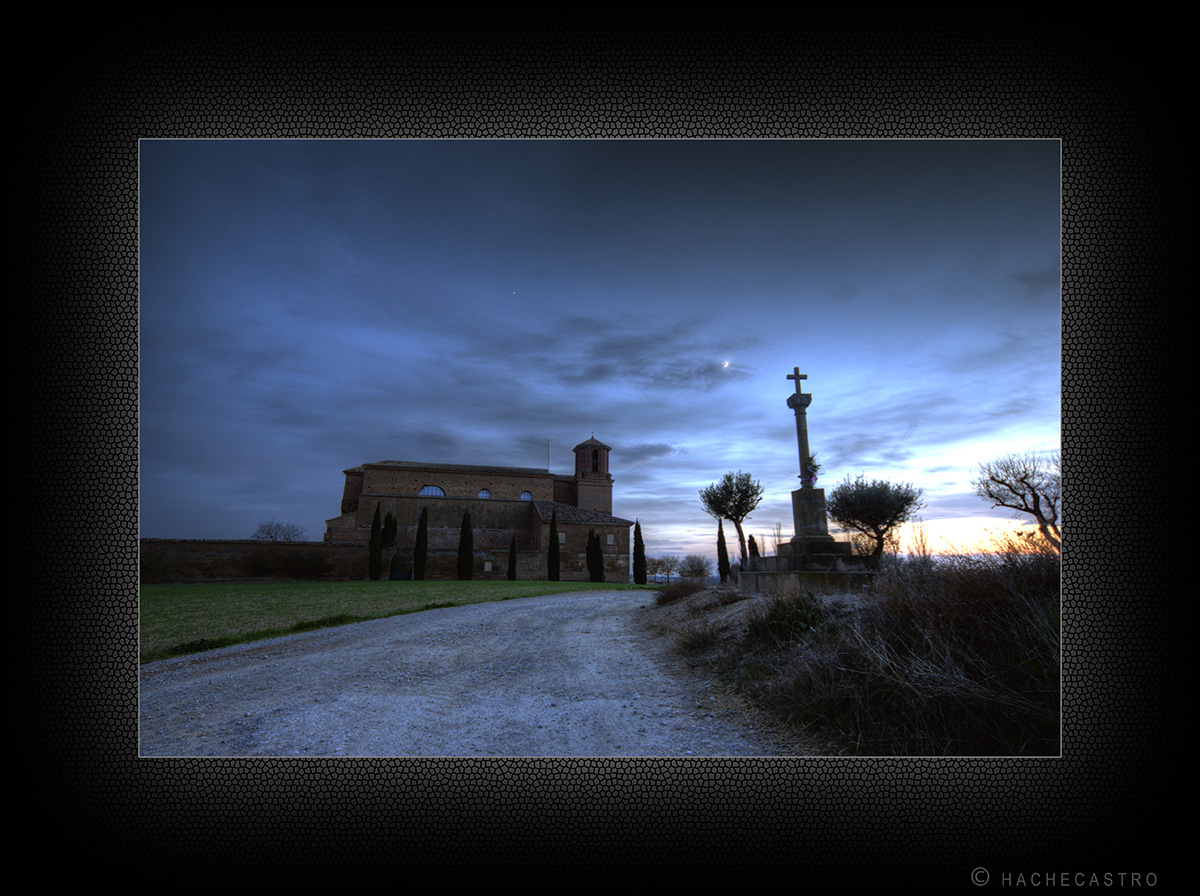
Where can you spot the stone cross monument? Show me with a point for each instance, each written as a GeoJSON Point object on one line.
{"type": "Point", "coordinates": [808, 503]}
{"type": "Point", "coordinates": [812, 556]}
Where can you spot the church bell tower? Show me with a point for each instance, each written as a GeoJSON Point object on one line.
{"type": "Point", "coordinates": [592, 480]}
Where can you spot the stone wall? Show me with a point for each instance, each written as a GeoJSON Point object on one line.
{"type": "Point", "coordinates": [166, 560]}
{"type": "Point", "coordinates": [177, 560]}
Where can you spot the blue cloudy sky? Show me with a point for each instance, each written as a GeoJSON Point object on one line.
{"type": "Point", "coordinates": [307, 306]}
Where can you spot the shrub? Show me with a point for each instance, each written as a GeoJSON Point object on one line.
{"type": "Point", "coordinates": [785, 619]}
{"type": "Point", "coordinates": [958, 657]}
{"type": "Point", "coordinates": [677, 590]}
{"type": "Point", "coordinates": [699, 638]}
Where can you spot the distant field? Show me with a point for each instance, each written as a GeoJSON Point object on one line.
{"type": "Point", "coordinates": [179, 619]}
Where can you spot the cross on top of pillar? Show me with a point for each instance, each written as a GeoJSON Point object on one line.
{"type": "Point", "coordinates": [797, 376]}
{"type": "Point", "coordinates": [799, 402]}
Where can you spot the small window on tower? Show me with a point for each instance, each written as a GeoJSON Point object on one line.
{"type": "Point", "coordinates": [484, 493]}
{"type": "Point", "coordinates": [610, 538]}
{"type": "Point", "coordinates": [595, 460]}
{"type": "Point", "coordinates": [526, 496]}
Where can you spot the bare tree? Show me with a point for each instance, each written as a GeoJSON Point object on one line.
{"type": "Point", "coordinates": [1026, 483]}
{"type": "Point", "coordinates": [695, 566]}
{"type": "Point", "coordinates": [653, 567]}
{"type": "Point", "coordinates": [273, 530]}
{"type": "Point", "coordinates": [668, 565]}
{"type": "Point", "coordinates": [918, 543]}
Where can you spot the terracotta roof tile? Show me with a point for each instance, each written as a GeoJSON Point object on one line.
{"type": "Point", "coordinates": [568, 513]}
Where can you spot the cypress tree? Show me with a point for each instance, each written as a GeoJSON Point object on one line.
{"type": "Point", "coordinates": [389, 531]}
{"type": "Point", "coordinates": [598, 559]}
{"type": "Point", "coordinates": [512, 559]}
{"type": "Point", "coordinates": [552, 564]}
{"type": "Point", "coordinates": [639, 555]}
{"type": "Point", "coordinates": [722, 554]}
{"type": "Point", "coordinates": [753, 547]}
{"type": "Point", "coordinates": [421, 548]}
{"type": "Point", "coordinates": [593, 551]}
{"type": "Point", "coordinates": [466, 550]}
{"type": "Point", "coordinates": [375, 549]}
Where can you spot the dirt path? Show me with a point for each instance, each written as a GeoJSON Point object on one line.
{"type": "Point", "coordinates": [564, 675]}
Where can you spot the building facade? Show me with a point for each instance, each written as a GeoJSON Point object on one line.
{"type": "Point", "coordinates": [505, 504]}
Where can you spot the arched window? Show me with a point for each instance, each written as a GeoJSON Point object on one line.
{"type": "Point", "coordinates": [432, 490]}
{"type": "Point", "coordinates": [595, 460]}
{"type": "Point", "coordinates": [526, 496]}
{"type": "Point", "coordinates": [484, 493]}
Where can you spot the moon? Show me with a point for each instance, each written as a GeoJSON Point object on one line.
{"type": "Point", "coordinates": [726, 363]}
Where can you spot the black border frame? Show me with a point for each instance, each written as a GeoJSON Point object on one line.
{"type": "Point", "coordinates": [1101, 807]}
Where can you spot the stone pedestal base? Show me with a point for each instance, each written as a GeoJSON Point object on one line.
{"type": "Point", "coordinates": [808, 514]}
{"type": "Point", "coordinates": [812, 558]}
{"type": "Point", "coordinates": [821, 554]}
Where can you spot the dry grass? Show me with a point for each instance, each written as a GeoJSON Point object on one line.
{"type": "Point", "coordinates": [678, 590]}
{"type": "Point", "coordinates": [957, 657]}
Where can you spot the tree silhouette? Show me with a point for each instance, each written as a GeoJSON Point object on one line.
{"type": "Point", "coordinates": [466, 549]}
{"type": "Point", "coordinates": [375, 549]}
{"type": "Point", "coordinates": [874, 508]}
{"type": "Point", "coordinates": [552, 560]}
{"type": "Point", "coordinates": [639, 555]}
{"type": "Point", "coordinates": [1026, 483]}
{"type": "Point", "coordinates": [273, 530]}
{"type": "Point", "coordinates": [421, 547]}
{"type": "Point", "coordinates": [733, 498]}
{"type": "Point", "coordinates": [723, 553]}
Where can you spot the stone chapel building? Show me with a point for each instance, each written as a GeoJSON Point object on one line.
{"type": "Point", "coordinates": [505, 502]}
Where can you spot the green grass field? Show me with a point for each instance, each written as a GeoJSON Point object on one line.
{"type": "Point", "coordinates": [179, 619]}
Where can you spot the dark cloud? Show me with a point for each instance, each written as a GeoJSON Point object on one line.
{"type": "Point", "coordinates": [637, 454]}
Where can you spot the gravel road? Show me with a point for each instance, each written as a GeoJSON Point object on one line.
{"type": "Point", "coordinates": [562, 675]}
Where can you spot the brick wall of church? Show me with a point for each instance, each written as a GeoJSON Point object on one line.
{"type": "Point", "coordinates": [531, 565]}
{"type": "Point", "coordinates": [494, 522]}
{"type": "Point", "coordinates": [455, 483]}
